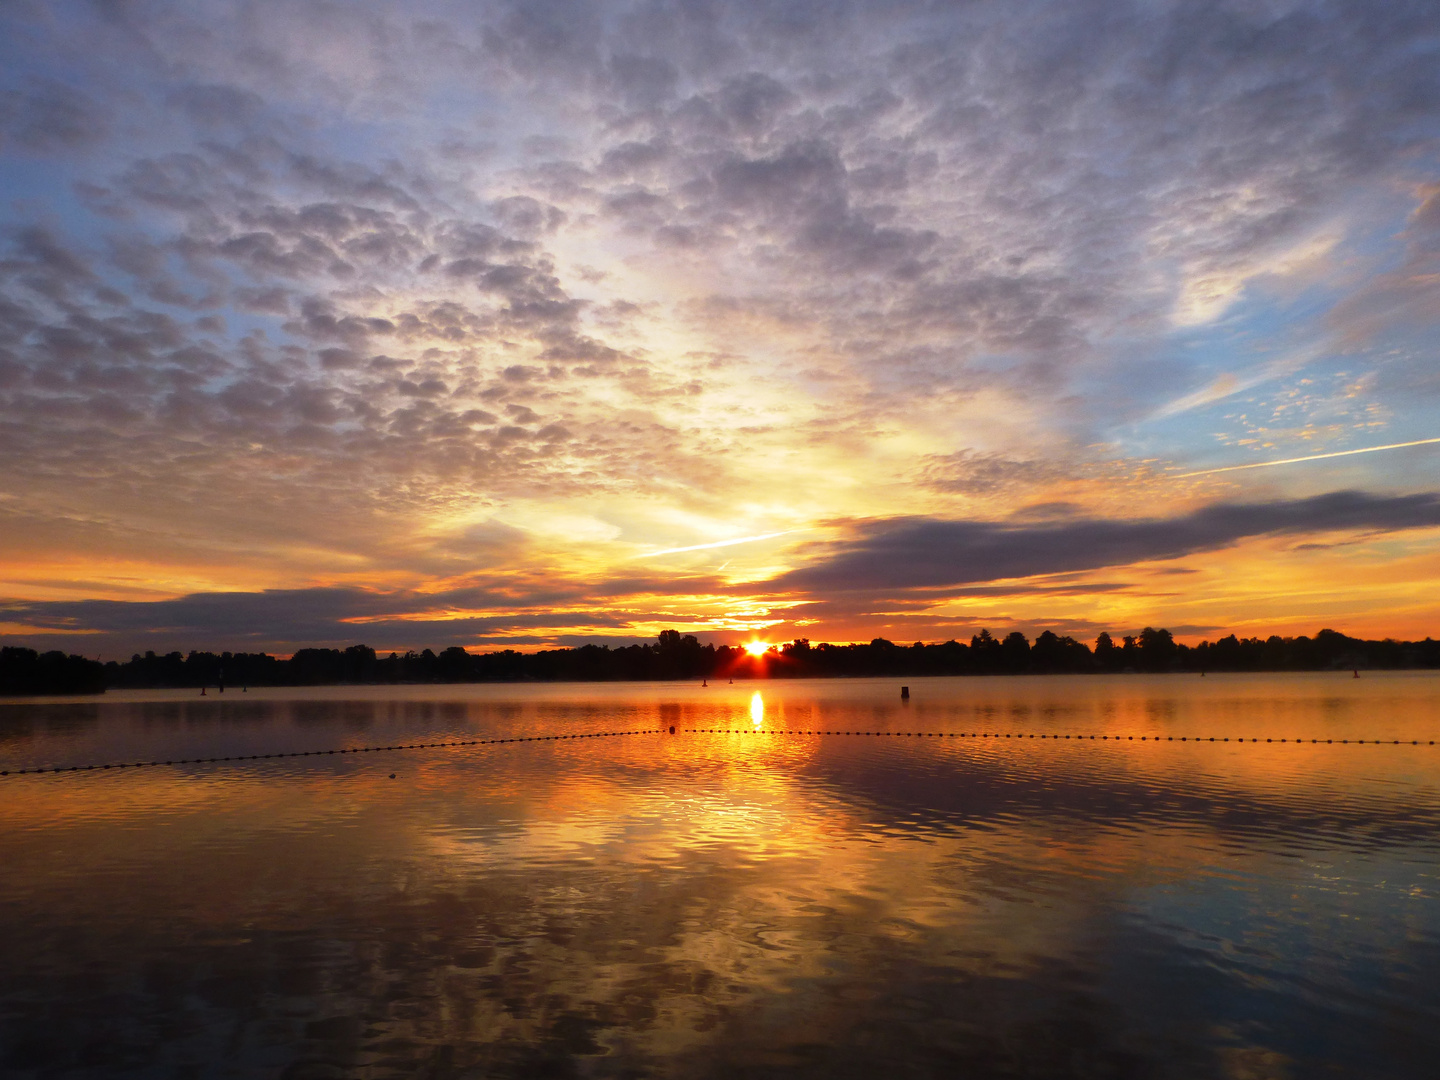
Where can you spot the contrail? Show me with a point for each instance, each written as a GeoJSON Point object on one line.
{"type": "Point", "coordinates": [1312, 457]}
{"type": "Point", "coordinates": [719, 544]}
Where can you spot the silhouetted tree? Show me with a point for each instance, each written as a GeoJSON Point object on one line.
{"type": "Point", "coordinates": [1053, 654]}
{"type": "Point", "coordinates": [1157, 649]}
{"type": "Point", "coordinates": [985, 651]}
{"type": "Point", "coordinates": [1015, 650]}
{"type": "Point", "coordinates": [1107, 656]}
{"type": "Point", "coordinates": [25, 671]}
{"type": "Point", "coordinates": [673, 655]}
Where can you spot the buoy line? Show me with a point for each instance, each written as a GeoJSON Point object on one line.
{"type": "Point", "coordinates": [1077, 738]}
{"type": "Point", "coordinates": [458, 743]}
{"type": "Point", "coordinates": [448, 744]}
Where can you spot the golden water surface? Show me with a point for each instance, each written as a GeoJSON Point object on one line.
{"type": "Point", "coordinates": [940, 892]}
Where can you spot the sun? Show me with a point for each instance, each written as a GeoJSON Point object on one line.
{"type": "Point", "coordinates": [757, 648]}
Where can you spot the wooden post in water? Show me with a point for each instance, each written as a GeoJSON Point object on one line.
{"type": "Point", "coordinates": [904, 693]}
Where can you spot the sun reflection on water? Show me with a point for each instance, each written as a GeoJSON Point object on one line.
{"type": "Point", "coordinates": [771, 877]}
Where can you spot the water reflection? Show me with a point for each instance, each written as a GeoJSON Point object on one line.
{"type": "Point", "coordinates": [729, 904]}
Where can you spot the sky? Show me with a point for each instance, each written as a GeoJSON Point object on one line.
{"type": "Point", "coordinates": [542, 323]}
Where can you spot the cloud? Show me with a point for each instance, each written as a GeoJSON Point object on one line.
{"type": "Point", "coordinates": [278, 618]}
{"type": "Point", "coordinates": [312, 286]}
{"type": "Point", "coordinates": [911, 553]}
{"type": "Point", "coordinates": [969, 473]}
{"type": "Point", "coordinates": [886, 576]}
{"type": "Point", "coordinates": [217, 106]}
{"type": "Point", "coordinates": [1401, 302]}
{"type": "Point", "coordinates": [46, 116]}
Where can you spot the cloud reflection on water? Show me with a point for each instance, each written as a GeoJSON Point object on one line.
{"type": "Point", "coordinates": [698, 905]}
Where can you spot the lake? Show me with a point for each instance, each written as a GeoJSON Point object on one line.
{"type": "Point", "coordinates": [947, 894]}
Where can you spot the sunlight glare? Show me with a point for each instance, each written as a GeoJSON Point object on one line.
{"type": "Point", "coordinates": [757, 709]}
{"type": "Point", "coordinates": [757, 648]}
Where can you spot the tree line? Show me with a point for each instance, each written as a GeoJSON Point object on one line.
{"type": "Point", "coordinates": [676, 656]}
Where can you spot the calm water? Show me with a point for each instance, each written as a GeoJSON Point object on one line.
{"type": "Point", "coordinates": [750, 905]}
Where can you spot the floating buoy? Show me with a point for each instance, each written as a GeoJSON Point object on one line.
{"type": "Point", "coordinates": [904, 692]}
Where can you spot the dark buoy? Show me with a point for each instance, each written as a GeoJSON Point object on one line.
{"type": "Point", "coordinates": [1357, 673]}
{"type": "Point", "coordinates": [392, 776]}
{"type": "Point", "coordinates": [672, 729]}
{"type": "Point", "coordinates": [905, 693]}
{"type": "Point", "coordinates": [704, 682]}
{"type": "Point", "coordinates": [202, 691]}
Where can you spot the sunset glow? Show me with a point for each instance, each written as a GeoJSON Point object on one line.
{"type": "Point", "coordinates": [507, 327]}
{"type": "Point", "coordinates": [758, 648]}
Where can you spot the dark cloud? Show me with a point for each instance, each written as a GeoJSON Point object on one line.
{"type": "Point", "coordinates": [213, 106]}
{"type": "Point", "coordinates": [46, 116]}
{"type": "Point", "coordinates": [525, 217]}
{"type": "Point", "coordinates": [290, 618]}
{"type": "Point", "coordinates": [752, 101]}
{"type": "Point", "coordinates": [40, 262]}
{"type": "Point", "coordinates": [643, 81]}
{"type": "Point", "coordinates": [909, 553]}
